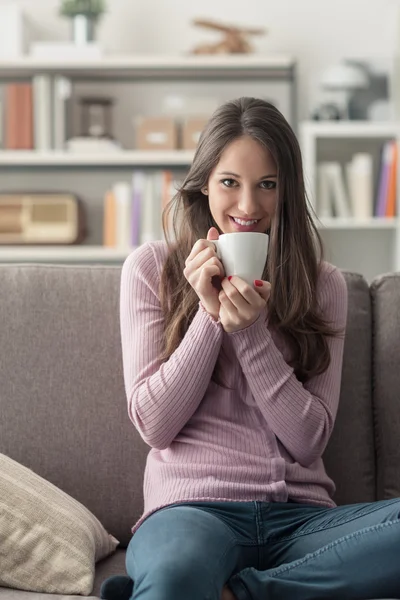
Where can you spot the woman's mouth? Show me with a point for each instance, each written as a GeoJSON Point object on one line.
{"type": "Point", "coordinates": [244, 224]}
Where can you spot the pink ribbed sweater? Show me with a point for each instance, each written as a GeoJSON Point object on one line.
{"type": "Point", "coordinates": [261, 440]}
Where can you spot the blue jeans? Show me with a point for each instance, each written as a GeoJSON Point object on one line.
{"type": "Point", "coordinates": [264, 550]}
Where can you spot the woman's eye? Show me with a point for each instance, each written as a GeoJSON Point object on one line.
{"type": "Point", "coordinates": [268, 185]}
{"type": "Point", "coordinates": [229, 182]}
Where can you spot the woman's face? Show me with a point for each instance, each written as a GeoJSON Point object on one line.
{"type": "Point", "coordinates": [242, 188]}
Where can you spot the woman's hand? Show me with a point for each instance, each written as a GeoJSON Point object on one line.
{"type": "Point", "coordinates": [201, 266]}
{"type": "Point", "coordinates": [241, 304]}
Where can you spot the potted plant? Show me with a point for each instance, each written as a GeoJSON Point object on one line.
{"type": "Point", "coordinates": [84, 15]}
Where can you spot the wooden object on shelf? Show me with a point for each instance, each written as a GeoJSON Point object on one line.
{"type": "Point", "coordinates": [41, 219]}
{"type": "Point", "coordinates": [191, 130]}
{"type": "Point", "coordinates": [156, 133]}
{"type": "Point", "coordinates": [234, 40]}
{"type": "Point", "coordinates": [96, 117]}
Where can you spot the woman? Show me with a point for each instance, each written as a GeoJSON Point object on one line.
{"type": "Point", "coordinates": [235, 388]}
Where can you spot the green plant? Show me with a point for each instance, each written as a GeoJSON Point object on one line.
{"type": "Point", "coordinates": [89, 8]}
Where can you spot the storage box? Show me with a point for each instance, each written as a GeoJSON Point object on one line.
{"type": "Point", "coordinates": [156, 133]}
{"type": "Point", "coordinates": [191, 130]}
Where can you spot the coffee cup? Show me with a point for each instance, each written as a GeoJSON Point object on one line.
{"type": "Point", "coordinates": [243, 254]}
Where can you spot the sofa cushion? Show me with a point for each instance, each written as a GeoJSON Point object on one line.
{"type": "Point", "coordinates": [63, 410]}
{"type": "Point", "coordinates": [49, 542]}
{"type": "Point", "coordinates": [350, 455]}
{"type": "Point", "coordinates": [7, 594]}
{"type": "Point", "coordinates": [112, 565]}
{"type": "Point", "coordinates": [385, 293]}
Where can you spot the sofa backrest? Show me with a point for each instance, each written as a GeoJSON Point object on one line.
{"type": "Point", "coordinates": [385, 295]}
{"type": "Point", "coordinates": [350, 455]}
{"type": "Point", "coordinates": [62, 402]}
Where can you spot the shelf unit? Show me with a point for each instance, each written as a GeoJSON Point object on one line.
{"type": "Point", "coordinates": [368, 246]}
{"type": "Point", "coordinates": [372, 223]}
{"type": "Point", "coordinates": [216, 69]}
{"type": "Point", "coordinates": [119, 68]}
{"type": "Point", "coordinates": [134, 158]}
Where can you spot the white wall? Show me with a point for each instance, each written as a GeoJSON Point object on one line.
{"type": "Point", "coordinates": [316, 32]}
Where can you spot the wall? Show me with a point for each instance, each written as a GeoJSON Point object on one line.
{"type": "Point", "coordinates": [316, 32]}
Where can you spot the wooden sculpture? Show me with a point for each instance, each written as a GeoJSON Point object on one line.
{"type": "Point", "coordinates": [234, 39]}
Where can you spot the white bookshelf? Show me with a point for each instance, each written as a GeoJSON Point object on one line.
{"type": "Point", "coordinates": [368, 246]}
{"type": "Point", "coordinates": [134, 158]}
{"type": "Point", "coordinates": [353, 223]}
{"type": "Point", "coordinates": [137, 66]}
{"type": "Point", "coordinates": [18, 167]}
{"type": "Point", "coordinates": [313, 131]}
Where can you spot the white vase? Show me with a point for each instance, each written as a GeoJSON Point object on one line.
{"type": "Point", "coordinates": [83, 29]}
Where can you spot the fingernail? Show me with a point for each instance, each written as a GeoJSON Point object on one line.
{"type": "Point", "coordinates": [258, 283]}
{"type": "Point", "coordinates": [230, 277]}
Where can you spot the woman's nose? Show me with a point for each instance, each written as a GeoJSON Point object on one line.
{"type": "Point", "coordinates": [247, 204]}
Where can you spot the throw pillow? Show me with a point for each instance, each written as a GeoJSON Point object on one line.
{"type": "Point", "coordinates": [49, 542]}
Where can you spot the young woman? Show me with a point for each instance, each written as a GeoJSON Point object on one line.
{"type": "Point", "coordinates": [235, 388]}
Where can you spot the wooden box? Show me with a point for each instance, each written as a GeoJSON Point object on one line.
{"type": "Point", "coordinates": [156, 133]}
{"type": "Point", "coordinates": [191, 130]}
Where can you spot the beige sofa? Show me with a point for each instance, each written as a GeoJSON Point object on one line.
{"type": "Point", "coordinates": [62, 402]}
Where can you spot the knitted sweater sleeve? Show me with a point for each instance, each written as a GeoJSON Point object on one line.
{"type": "Point", "coordinates": [300, 415]}
{"type": "Point", "coordinates": [162, 396]}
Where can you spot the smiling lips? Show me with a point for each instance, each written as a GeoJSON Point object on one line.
{"type": "Point", "coordinates": [244, 224]}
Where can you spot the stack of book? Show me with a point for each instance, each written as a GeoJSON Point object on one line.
{"type": "Point", "coordinates": [133, 210]}
{"type": "Point", "coordinates": [350, 191]}
{"type": "Point", "coordinates": [35, 114]}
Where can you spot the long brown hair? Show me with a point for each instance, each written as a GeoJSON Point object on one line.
{"type": "Point", "coordinates": [295, 248]}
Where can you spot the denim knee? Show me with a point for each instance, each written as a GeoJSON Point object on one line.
{"type": "Point", "coordinates": [177, 578]}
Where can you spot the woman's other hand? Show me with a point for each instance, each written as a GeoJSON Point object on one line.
{"type": "Point", "coordinates": [201, 266]}
{"type": "Point", "coordinates": [242, 304]}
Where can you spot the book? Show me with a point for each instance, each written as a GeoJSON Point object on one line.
{"type": "Point", "coordinates": [43, 112]}
{"type": "Point", "coordinates": [122, 193]}
{"type": "Point", "coordinates": [360, 185]}
{"type": "Point", "coordinates": [392, 185]}
{"type": "Point", "coordinates": [18, 116]}
{"type": "Point", "coordinates": [137, 193]}
{"type": "Point", "coordinates": [167, 182]}
{"type": "Point", "coordinates": [62, 90]}
{"type": "Point", "coordinates": [336, 192]}
{"type": "Point", "coordinates": [110, 220]}
{"type": "Point", "coordinates": [133, 210]}
{"type": "Point", "coordinates": [148, 206]}
{"type": "Point", "coordinates": [383, 182]}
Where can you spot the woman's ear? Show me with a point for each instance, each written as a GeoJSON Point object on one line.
{"type": "Point", "coordinates": [204, 190]}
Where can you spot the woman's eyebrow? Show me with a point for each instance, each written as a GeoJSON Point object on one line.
{"type": "Point", "coordinates": [238, 176]}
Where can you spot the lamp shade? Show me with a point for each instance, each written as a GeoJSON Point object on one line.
{"type": "Point", "coordinates": [345, 77]}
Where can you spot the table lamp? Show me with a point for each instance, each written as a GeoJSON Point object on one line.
{"type": "Point", "coordinates": [345, 77]}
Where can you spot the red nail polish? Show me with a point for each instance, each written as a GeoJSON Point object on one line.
{"type": "Point", "coordinates": [230, 277]}
{"type": "Point", "coordinates": [258, 283]}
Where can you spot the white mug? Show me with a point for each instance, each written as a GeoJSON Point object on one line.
{"type": "Point", "coordinates": [243, 254]}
